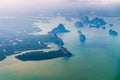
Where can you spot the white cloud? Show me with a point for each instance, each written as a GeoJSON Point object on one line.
{"type": "Point", "coordinates": [51, 3]}
{"type": "Point", "coordinates": [19, 6]}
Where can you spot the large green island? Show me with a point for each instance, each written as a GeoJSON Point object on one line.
{"type": "Point", "coordinates": [35, 42]}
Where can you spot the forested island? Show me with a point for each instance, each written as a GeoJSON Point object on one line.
{"type": "Point", "coordinates": [35, 42]}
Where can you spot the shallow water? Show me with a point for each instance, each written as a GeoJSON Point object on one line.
{"type": "Point", "coordinates": [97, 59]}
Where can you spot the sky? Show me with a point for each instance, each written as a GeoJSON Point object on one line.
{"type": "Point", "coordinates": [22, 6]}
{"type": "Point", "coordinates": [52, 3]}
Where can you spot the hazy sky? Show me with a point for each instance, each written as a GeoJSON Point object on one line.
{"type": "Point", "coordinates": [51, 3]}
{"type": "Point", "coordinates": [21, 6]}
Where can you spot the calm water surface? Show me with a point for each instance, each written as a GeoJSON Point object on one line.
{"type": "Point", "coordinates": [97, 59]}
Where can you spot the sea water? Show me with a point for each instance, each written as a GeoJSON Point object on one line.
{"type": "Point", "coordinates": [96, 59]}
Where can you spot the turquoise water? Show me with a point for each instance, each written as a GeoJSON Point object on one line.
{"type": "Point", "coordinates": [97, 59]}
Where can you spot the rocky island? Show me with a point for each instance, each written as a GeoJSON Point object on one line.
{"type": "Point", "coordinates": [79, 24]}
{"type": "Point", "coordinates": [82, 37]}
{"type": "Point", "coordinates": [113, 32]}
{"type": "Point", "coordinates": [97, 22]}
{"type": "Point", "coordinates": [59, 29]}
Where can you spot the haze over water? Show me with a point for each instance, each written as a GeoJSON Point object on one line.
{"type": "Point", "coordinates": [97, 59]}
